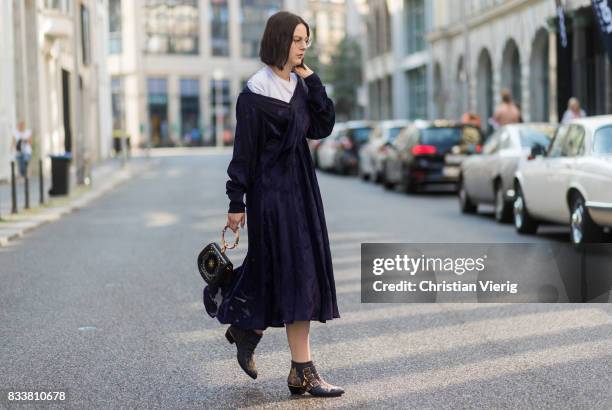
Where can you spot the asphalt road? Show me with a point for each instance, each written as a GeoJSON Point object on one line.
{"type": "Point", "coordinates": [106, 305]}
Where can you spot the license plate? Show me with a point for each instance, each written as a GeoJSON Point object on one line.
{"type": "Point", "coordinates": [450, 171]}
{"type": "Point", "coordinates": [453, 159]}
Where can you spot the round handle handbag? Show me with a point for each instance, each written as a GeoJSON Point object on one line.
{"type": "Point", "coordinates": [213, 264]}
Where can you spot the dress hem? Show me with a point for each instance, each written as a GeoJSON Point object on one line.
{"type": "Point", "coordinates": [279, 324]}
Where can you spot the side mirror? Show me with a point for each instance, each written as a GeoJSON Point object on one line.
{"type": "Point", "coordinates": [536, 151]}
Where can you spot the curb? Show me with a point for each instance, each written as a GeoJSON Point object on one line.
{"type": "Point", "coordinates": [16, 226]}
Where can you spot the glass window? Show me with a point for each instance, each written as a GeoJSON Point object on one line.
{"type": "Point", "coordinates": [118, 103]}
{"type": "Point", "coordinates": [558, 142]}
{"type": "Point", "coordinates": [360, 135]}
{"type": "Point", "coordinates": [114, 26]}
{"type": "Point", "coordinates": [190, 112]}
{"type": "Point", "coordinates": [441, 136]}
{"type": "Point", "coordinates": [60, 5]}
{"type": "Point", "coordinates": [602, 141]}
{"type": "Point", "coordinates": [171, 27]}
{"type": "Point", "coordinates": [531, 136]}
{"type": "Point", "coordinates": [219, 26]}
{"type": "Point", "coordinates": [415, 25]}
{"type": "Point", "coordinates": [393, 132]}
{"type": "Point", "coordinates": [253, 17]}
{"type": "Point", "coordinates": [220, 104]}
{"type": "Point", "coordinates": [417, 93]}
{"type": "Point", "coordinates": [573, 141]}
{"type": "Point", "coordinates": [157, 90]}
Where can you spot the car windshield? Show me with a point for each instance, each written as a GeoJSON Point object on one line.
{"type": "Point", "coordinates": [443, 138]}
{"type": "Point", "coordinates": [530, 136]}
{"type": "Point", "coordinates": [393, 132]}
{"type": "Point", "coordinates": [603, 141]}
{"type": "Point", "coordinates": [361, 134]}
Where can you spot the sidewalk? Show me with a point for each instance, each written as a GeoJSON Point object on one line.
{"type": "Point", "coordinates": [104, 177]}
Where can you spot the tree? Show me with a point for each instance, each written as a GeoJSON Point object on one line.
{"type": "Point", "coordinates": [345, 75]}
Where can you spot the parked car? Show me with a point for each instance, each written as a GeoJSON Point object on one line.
{"type": "Point", "coordinates": [570, 182]}
{"type": "Point", "coordinates": [353, 136]}
{"type": "Point", "coordinates": [488, 178]}
{"type": "Point", "coordinates": [326, 151]}
{"type": "Point", "coordinates": [371, 153]}
{"type": "Point", "coordinates": [429, 153]}
{"type": "Point", "coordinates": [315, 144]}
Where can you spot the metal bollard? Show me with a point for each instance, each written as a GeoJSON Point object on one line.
{"type": "Point", "coordinates": [26, 187]}
{"type": "Point", "coordinates": [41, 183]}
{"type": "Point", "coordinates": [13, 188]}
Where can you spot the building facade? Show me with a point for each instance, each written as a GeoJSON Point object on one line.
{"type": "Point", "coordinates": [397, 66]}
{"type": "Point", "coordinates": [177, 67]}
{"type": "Point", "coordinates": [54, 79]}
{"type": "Point", "coordinates": [328, 20]}
{"type": "Point", "coordinates": [482, 46]}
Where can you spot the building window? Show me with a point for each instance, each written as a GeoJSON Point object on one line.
{"type": "Point", "coordinates": [219, 26]}
{"type": "Point", "coordinates": [114, 26]}
{"type": "Point", "coordinates": [59, 5]}
{"type": "Point", "coordinates": [118, 103]}
{"type": "Point", "coordinates": [417, 93]}
{"type": "Point", "coordinates": [190, 112]}
{"type": "Point", "coordinates": [220, 110]}
{"type": "Point", "coordinates": [415, 25]}
{"type": "Point", "coordinates": [171, 27]}
{"type": "Point", "coordinates": [253, 17]}
{"type": "Point", "coordinates": [85, 39]}
{"type": "Point", "coordinates": [157, 93]}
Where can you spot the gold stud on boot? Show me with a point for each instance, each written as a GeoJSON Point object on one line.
{"type": "Point", "coordinates": [303, 378]}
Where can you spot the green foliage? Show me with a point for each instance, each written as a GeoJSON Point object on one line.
{"type": "Point", "coordinates": [345, 75]}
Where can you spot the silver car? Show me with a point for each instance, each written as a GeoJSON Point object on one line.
{"type": "Point", "coordinates": [570, 183]}
{"type": "Point", "coordinates": [371, 153]}
{"type": "Point", "coordinates": [488, 178]}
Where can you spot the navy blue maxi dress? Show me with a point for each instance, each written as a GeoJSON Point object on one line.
{"type": "Point", "coordinates": [287, 274]}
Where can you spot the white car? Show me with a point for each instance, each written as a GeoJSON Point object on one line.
{"type": "Point", "coordinates": [326, 151]}
{"type": "Point", "coordinates": [570, 183]}
{"type": "Point", "coordinates": [488, 178]}
{"type": "Point", "coordinates": [370, 155]}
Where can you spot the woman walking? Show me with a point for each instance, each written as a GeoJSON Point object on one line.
{"type": "Point", "coordinates": [286, 279]}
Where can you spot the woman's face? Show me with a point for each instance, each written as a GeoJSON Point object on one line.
{"type": "Point", "coordinates": [298, 45]}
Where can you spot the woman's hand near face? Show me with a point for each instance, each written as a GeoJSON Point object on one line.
{"type": "Point", "coordinates": [235, 219]}
{"type": "Point", "coordinates": [302, 71]}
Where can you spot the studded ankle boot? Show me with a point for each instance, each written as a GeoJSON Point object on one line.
{"type": "Point", "coordinates": [303, 378]}
{"type": "Point", "coordinates": [246, 341]}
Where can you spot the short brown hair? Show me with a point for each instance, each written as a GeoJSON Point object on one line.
{"type": "Point", "coordinates": [277, 38]}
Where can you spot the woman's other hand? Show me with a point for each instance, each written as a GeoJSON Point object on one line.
{"type": "Point", "coordinates": [235, 219]}
{"type": "Point", "coordinates": [303, 71]}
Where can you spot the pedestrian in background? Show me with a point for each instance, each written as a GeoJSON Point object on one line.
{"type": "Point", "coordinates": [573, 111]}
{"type": "Point", "coordinates": [22, 144]}
{"type": "Point", "coordinates": [286, 279]}
{"type": "Point", "coordinates": [507, 111]}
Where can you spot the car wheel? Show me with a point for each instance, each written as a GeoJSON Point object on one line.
{"type": "Point", "coordinates": [362, 175]}
{"type": "Point", "coordinates": [503, 209]}
{"type": "Point", "coordinates": [465, 203]}
{"type": "Point", "coordinates": [582, 228]}
{"type": "Point", "coordinates": [386, 183]}
{"type": "Point", "coordinates": [523, 222]}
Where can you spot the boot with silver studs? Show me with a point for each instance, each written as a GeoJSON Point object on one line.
{"type": "Point", "coordinates": [303, 378]}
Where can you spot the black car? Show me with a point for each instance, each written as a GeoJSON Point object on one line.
{"type": "Point", "coordinates": [429, 153]}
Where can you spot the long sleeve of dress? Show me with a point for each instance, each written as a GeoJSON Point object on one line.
{"type": "Point", "coordinates": [322, 110]}
{"type": "Point", "coordinates": [241, 165]}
